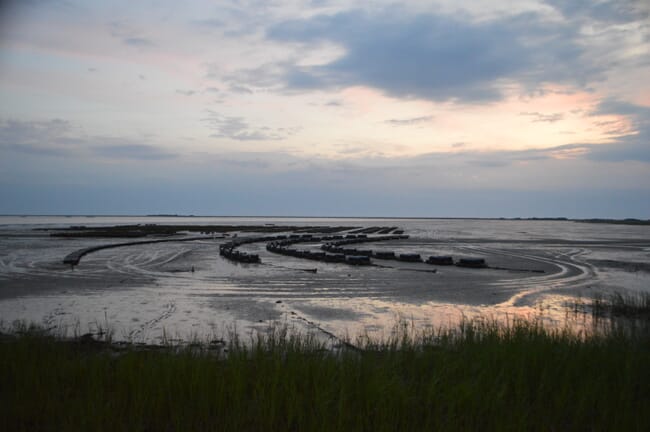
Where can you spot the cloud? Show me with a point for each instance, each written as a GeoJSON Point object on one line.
{"type": "Point", "coordinates": [128, 35]}
{"type": "Point", "coordinates": [139, 42]}
{"type": "Point", "coordinates": [15, 131]}
{"type": "Point", "coordinates": [608, 11]}
{"type": "Point", "coordinates": [48, 138]}
{"type": "Point", "coordinates": [185, 92]}
{"type": "Point", "coordinates": [553, 169]}
{"type": "Point", "coordinates": [333, 103]}
{"type": "Point", "coordinates": [489, 163]}
{"type": "Point", "coordinates": [122, 149]}
{"type": "Point", "coordinates": [409, 121]}
{"type": "Point", "coordinates": [236, 88]}
{"type": "Point", "coordinates": [238, 129]}
{"type": "Point", "coordinates": [59, 138]}
{"type": "Point", "coordinates": [639, 113]}
{"type": "Point", "coordinates": [208, 23]}
{"type": "Point", "coordinates": [361, 184]}
{"type": "Point", "coordinates": [630, 148]}
{"type": "Point", "coordinates": [266, 76]}
{"type": "Point", "coordinates": [546, 118]}
{"type": "Point", "coordinates": [635, 144]}
{"type": "Point", "coordinates": [436, 57]}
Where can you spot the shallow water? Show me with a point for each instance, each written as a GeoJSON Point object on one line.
{"type": "Point", "coordinates": [147, 292]}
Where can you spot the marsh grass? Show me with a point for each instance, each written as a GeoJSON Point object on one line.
{"type": "Point", "coordinates": [616, 312]}
{"type": "Point", "coordinates": [631, 305]}
{"type": "Point", "coordinates": [481, 375]}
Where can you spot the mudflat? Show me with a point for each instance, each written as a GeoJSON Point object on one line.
{"type": "Point", "coordinates": [159, 282]}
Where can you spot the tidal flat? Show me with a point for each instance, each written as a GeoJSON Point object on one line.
{"type": "Point", "coordinates": [176, 289]}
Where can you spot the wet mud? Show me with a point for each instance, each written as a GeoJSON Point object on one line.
{"type": "Point", "coordinates": [153, 290]}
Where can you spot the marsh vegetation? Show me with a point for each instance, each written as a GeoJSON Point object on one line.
{"type": "Point", "coordinates": [480, 375]}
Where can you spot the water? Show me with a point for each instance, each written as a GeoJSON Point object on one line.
{"type": "Point", "coordinates": [148, 292]}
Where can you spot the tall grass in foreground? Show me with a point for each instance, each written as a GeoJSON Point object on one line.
{"type": "Point", "coordinates": [626, 312]}
{"type": "Point", "coordinates": [632, 305]}
{"type": "Point", "coordinates": [478, 376]}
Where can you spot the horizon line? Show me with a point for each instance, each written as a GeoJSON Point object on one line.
{"type": "Point", "coordinates": [558, 218]}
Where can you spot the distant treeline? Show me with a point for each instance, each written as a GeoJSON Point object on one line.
{"type": "Point", "coordinates": [628, 221]}
{"type": "Point", "coordinates": [617, 221]}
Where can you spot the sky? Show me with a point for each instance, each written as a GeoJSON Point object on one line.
{"type": "Point", "coordinates": [442, 108]}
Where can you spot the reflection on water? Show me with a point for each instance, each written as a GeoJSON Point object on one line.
{"type": "Point", "coordinates": [143, 291]}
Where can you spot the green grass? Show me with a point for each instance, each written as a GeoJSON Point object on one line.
{"type": "Point", "coordinates": [478, 376]}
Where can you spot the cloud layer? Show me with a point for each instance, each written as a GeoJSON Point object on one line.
{"type": "Point", "coordinates": [438, 57]}
{"type": "Point", "coordinates": [434, 108]}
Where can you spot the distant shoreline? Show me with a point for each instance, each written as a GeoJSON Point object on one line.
{"type": "Point", "coordinates": [626, 221]}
